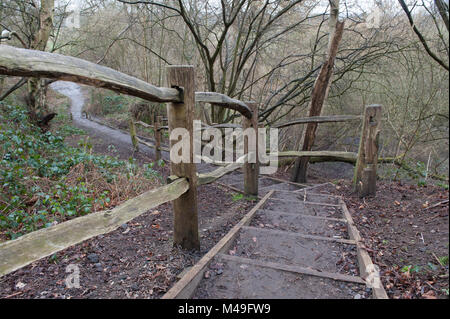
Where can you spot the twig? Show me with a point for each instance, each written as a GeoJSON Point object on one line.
{"type": "Point", "coordinates": [14, 294]}
{"type": "Point", "coordinates": [438, 204]}
{"type": "Point", "coordinates": [431, 286]}
{"type": "Point", "coordinates": [421, 237]}
{"type": "Point", "coordinates": [439, 262]}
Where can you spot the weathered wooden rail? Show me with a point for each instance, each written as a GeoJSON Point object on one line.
{"type": "Point", "coordinates": [321, 119]}
{"type": "Point", "coordinates": [20, 252]}
{"type": "Point", "coordinates": [182, 192]}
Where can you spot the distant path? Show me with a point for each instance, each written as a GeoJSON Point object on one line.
{"type": "Point", "coordinates": [74, 92]}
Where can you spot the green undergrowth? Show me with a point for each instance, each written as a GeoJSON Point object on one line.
{"type": "Point", "coordinates": [43, 181]}
{"type": "Point", "coordinates": [239, 196]}
{"type": "Point", "coordinates": [414, 171]}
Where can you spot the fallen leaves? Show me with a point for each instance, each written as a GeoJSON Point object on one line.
{"type": "Point", "coordinates": [396, 226]}
{"type": "Point", "coordinates": [429, 295]}
{"type": "Point", "coordinates": [20, 285]}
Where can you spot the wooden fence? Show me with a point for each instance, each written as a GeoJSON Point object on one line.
{"type": "Point", "coordinates": [180, 97]}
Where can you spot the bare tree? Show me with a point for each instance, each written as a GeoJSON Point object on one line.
{"type": "Point", "coordinates": [320, 89]}
{"type": "Point", "coordinates": [229, 38]}
{"type": "Point", "coordinates": [443, 11]}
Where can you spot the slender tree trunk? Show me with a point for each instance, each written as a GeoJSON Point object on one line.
{"type": "Point", "coordinates": [320, 91]}
{"type": "Point", "coordinates": [36, 88]}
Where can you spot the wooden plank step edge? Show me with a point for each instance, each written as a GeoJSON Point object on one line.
{"type": "Point", "coordinates": [284, 181]}
{"type": "Point", "coordinates": [293, 234]}
{"type": "Point", "coordinates": [300, 191]}
{"type": "Point", "coordinates": [364, 261]}
{"type": "Point", "coordinates": [293, 269]}
{"type": "Point", "coordinates": [270, 211]}
{"type": "Point", "coordinates": [314, 186]}
{"type": "Point", "coordinates": [185, 287]}
{"type": "Point", "coordinates": [268, 187]}
{"type": "Point", "coordinates": [305, 202]}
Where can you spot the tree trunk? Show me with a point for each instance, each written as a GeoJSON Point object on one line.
{"type": "Point", "coordinates": [320, 91]}
{"type": "Point", "coordinates": [37, 88]}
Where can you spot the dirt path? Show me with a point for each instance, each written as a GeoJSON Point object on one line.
{"type": "Point", "coordinates": [101, 136]}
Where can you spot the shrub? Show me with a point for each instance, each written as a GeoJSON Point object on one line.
{"type": "Point", "coordinates": [44, 181]}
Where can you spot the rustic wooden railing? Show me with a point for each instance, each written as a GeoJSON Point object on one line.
{"type": "Point", "coordinates": [364, 179]}
{"type": "Point", "coordinates": [321, 119]}
{"type": "Point", "coordinates": [23, 62]}
{"type": "Point", "coordinates": [20, 252]}
{"type": "Point", "coordinates": [181, 96]}
{"type": "Point", "coordinates": [182, 191]}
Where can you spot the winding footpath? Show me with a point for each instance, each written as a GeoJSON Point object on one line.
{"type": "Point", "coordinates": [74, 92]}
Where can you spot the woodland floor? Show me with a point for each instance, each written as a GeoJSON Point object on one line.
{"type": "Point", "coordinates": [406, 236]}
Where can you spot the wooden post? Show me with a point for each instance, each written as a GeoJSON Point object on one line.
{"type": "Point", "coordinates": [157, 138]}
{"type": "Point", "coordinates": [181, 115]}
{"type": "Point", "coordinates": [134, 140]}
{"type": "Point", "coordinates": [251, 170]}
{"type": "Point", "coordinates": [365, 177]}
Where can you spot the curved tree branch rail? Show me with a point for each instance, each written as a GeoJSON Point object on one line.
{"type": "Point", "coordinates": [326, 156]}
{"type": "Point", "coordinates": [224, 101]}
{"type": "Point", "coordinates": [32, 63]}
{"type": "Point", "coordinates": [321, 119]}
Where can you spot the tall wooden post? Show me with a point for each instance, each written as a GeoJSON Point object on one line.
{"type": "Point", "coordinates": [134, 139]}
{"type": "Point", "coordinates": [365, 177]}
{"type": "Point", "coordinates": [181, 115]}
{"type": "Point", "coordinates": [251, 170]}
{"type": "Point", "coordinates": [156, 127]}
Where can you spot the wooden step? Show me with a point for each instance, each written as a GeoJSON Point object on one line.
{"type": "Point", "coordinates": [269, 211]}
{"type": "Point", "coordinates": [294, 269]}
{"type": "Point", "coordinates": [302, 208]}
{"type": "Point", "coordinates": [292, 234]}
{"type": "Point", "coordinates": [304, 202]}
